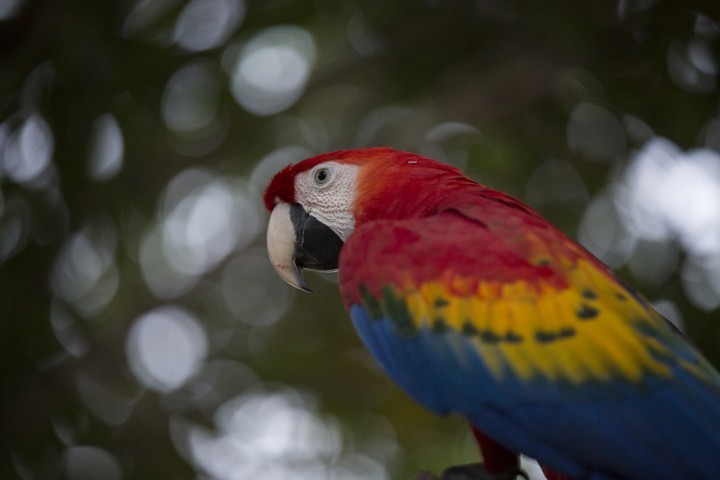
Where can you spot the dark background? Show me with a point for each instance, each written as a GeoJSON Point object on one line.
{"type": "Point", "coordinates": [143, 333]}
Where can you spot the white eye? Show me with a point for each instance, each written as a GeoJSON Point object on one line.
{"type": "Point", "coordinates": [322, 176]}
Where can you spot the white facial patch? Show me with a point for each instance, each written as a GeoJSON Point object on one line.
{"type": "Point", "coordinates": [330, 203]}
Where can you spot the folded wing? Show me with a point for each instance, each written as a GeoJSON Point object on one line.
{"type": "Point", "coordinates": [486, 310]}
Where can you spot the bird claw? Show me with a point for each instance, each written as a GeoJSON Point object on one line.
{"type": "Point", "coordinates": [477, 471]}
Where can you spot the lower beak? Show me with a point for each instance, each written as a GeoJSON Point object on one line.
{"type": "Point", "coordinates": [296, 240]}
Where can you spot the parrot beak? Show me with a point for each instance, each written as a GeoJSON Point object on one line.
{"type": "Point", "coordinates": [296, 240]}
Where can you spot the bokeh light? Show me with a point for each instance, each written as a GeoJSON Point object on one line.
{"type": "Point", "coordinates": [668, 193]}
{"type": "Point", "coordinates": [28, 152]}
{"type": "Point", "coordinates": [8, 8]}
{"type": "Point", "coordinates": [85, 274]}
{"type": "Point", "coordinates": [191, 98]}
{"type": "Point", "coordinates": [663, 199]}
{"type": "Point", "coordinates": [568, 186]}
{"type": "Point", "coordinates": [692, 66]}
{"type": "Point", "coordinates": [106, 403]}
{"type": "Point", "coordinates": [595, 133]}
{"type": "Point", "coordinates": [602, 232]}
{"type": "Point", "coordinates": [270, 71]}
{"type": "Point", "coordinates": [202, 219]}
{"type": "Point", "coordinates": [252, 291]}
{"type": "Point", "coordinates": [87, 462]}
{"type": "Point", "coordinates": [278, 435]}
{"type": "Point", "coordinates": [165, 347]}
{"type": "Point", "coordinates": [15, 224]}
{"type": "Point", "coordinates": [205, 24]}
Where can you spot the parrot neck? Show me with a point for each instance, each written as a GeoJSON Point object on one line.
{"type": "Point", "coordinates": [414, 189]}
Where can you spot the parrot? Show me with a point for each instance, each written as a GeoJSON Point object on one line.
{"type": "Point", "coordinates": [476, 305]}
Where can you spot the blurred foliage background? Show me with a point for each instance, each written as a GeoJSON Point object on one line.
{"type": "Point", "coordinates": [143, 332]}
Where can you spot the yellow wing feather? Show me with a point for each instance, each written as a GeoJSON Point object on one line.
{"type": "Point", "coordinates": [590, 331]}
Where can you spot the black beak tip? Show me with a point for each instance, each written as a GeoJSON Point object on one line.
{"type": "Point", "coordinates": [303, 285]}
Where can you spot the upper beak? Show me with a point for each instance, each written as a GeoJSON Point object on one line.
{"type": "Point", "coordinates": [296, 240]}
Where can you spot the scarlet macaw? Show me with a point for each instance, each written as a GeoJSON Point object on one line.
{"type": "Point", "coordinates": [475, 304]}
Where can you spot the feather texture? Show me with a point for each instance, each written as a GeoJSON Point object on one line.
{"type": "Point", "coordinates": [479, 306]}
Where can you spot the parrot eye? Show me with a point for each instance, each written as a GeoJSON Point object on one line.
{"type": "Point", "coordinates": [322, 176]}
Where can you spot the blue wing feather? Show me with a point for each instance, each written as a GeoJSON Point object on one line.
{"type": "Point", "coordinates": [663, 429]}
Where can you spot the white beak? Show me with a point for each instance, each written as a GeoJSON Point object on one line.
{"type": "Point", "coordinates": [281, 245]}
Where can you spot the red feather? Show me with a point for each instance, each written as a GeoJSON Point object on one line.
{"type": "Point", "coordinates": [392, 195]}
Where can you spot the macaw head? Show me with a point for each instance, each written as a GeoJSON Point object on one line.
{"type": "Point", "coordinates": [317, 203]}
